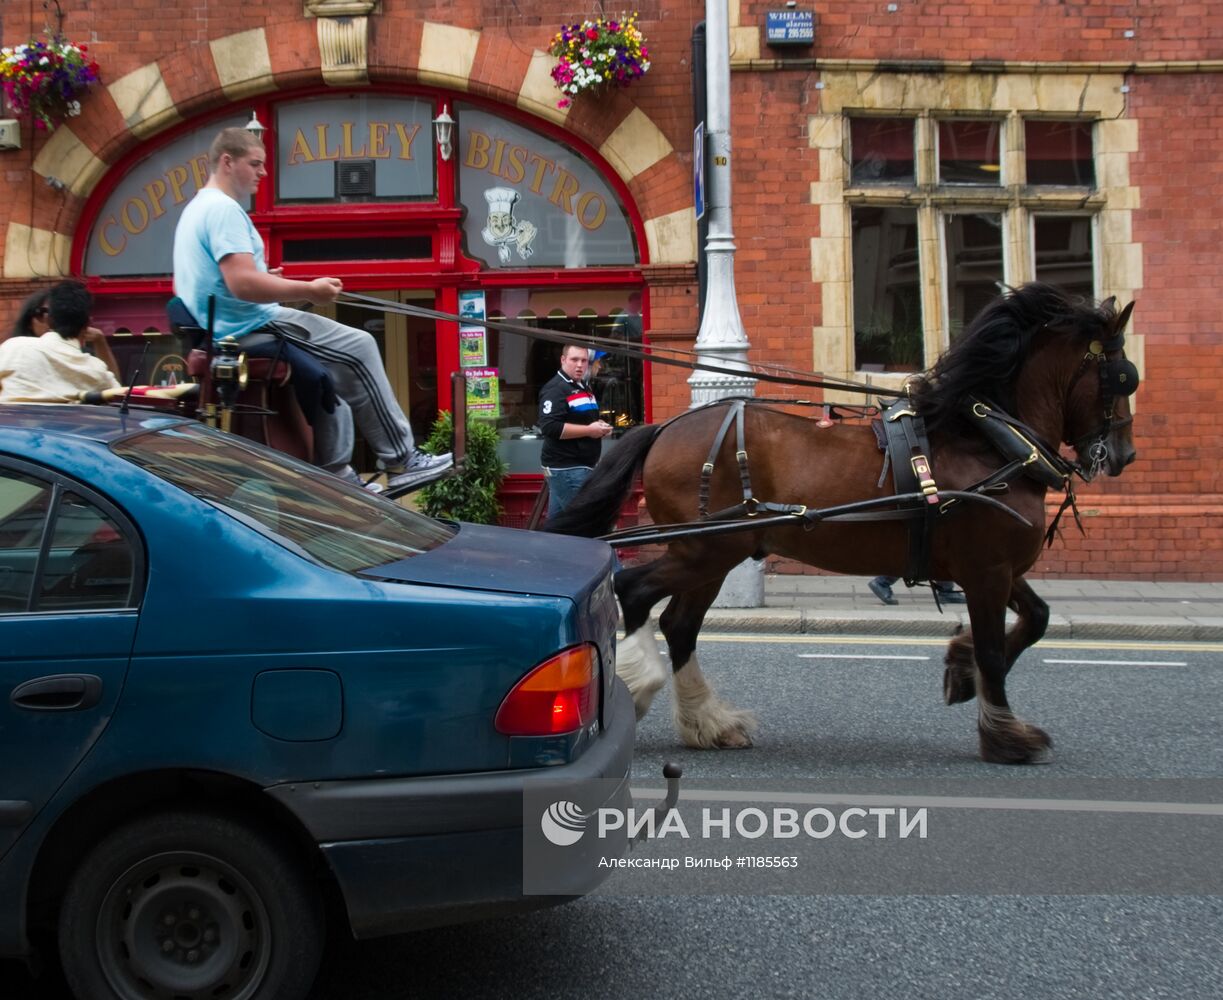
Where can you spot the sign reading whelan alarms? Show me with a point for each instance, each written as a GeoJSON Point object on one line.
{"type": "Point", "coordinates": [789, 27]}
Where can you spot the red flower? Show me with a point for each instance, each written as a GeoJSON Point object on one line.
{"type": "Point", "coordinates": [592, 35]}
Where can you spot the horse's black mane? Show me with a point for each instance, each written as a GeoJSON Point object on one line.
{"type": "Point", "coordinates": [986, 359]}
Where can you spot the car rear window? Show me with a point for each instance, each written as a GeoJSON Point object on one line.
{"type": "Point", "coordinates": [295, 504]}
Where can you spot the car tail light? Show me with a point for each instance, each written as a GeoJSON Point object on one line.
{"type": "Point", "coordinates": [558, 696]}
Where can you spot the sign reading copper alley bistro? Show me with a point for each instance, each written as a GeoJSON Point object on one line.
{"type": "Point", "coordinates": [528, 201]}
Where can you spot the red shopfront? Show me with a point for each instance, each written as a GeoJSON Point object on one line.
{"type": "Point", "coordinates": [519, 222]}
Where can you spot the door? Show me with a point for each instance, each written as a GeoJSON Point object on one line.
{"type": "Point", "coordinates": [71, 576]}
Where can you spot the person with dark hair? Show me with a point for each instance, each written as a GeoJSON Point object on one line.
{"type": "Point", "coordinates": [572, 429]}
{"type": "Point", "coordinates": [31, 319]}
{"type": "Point", "coordinates": [54, 367]}
{"type": "Point", "coordinates": [219, 255]}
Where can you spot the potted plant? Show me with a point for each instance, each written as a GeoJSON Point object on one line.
{"type": "Point", "coordinates": [46, 78]}
{"type": "Point", "coordinates": [470, 495]}
{"type": "Point", "coordinates": [596, 54]}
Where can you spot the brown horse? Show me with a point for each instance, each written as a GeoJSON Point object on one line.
{"type": "Point", "coordinates": [1053, 364]}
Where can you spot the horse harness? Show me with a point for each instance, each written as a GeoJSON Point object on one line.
{"type": "Point", "coordinates": [901, 435]}
{"type": "Point", "coordinates": [917, 498]}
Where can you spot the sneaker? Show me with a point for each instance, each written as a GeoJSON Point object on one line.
{"type": "Point", "coordinates": [421, 469]}
{"type": "Point", "coordinates": [350, 475]}
{"type": "Point", "coordinates": [951, 596]}
{"type": "Point", "coordinates": [882, 591]}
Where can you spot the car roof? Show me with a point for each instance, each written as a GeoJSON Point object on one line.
{"type": "Point", "coordinates": [103, 424]}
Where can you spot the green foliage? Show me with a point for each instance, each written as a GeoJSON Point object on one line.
{"type": "Point", "coordinates": [470, 495]}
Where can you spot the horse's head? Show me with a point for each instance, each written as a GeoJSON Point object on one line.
{"type": "Point", "coordinates": [1098, 421]}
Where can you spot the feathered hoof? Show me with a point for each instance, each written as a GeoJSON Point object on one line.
{"type": "Point", "coordinates": [734, 739]}
{"type": "Point", "coordinates": [960, 677]}
{"type": "Point", "coordinates": [720, 729]}
{"type": "Point", "coordinates": [959, 684]}
{"type": "Point", "coordinates": [1018, 743]}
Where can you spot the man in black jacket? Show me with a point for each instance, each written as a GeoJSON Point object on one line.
{"type": "Point", "coordinates": [572, 430]}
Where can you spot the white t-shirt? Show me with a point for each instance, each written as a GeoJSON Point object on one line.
{"type": "Point", "coordinates": [211, 227]}
{"type": "Point", "coordinates": [49, 369]}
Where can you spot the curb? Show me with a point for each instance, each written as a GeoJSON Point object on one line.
{"type": "Point", "coordinates": [796, 621]}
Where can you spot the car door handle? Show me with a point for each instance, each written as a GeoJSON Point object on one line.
{"type": "Point", "coordinates": [58, 693]}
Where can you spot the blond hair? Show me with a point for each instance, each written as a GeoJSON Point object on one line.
{"type": "Point", "coordinates": [237, 142]}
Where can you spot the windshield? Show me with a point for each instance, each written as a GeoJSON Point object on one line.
{"type": "Point", "coordinates": [297, 505]}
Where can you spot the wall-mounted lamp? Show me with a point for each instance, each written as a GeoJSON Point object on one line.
{"type": "Point", "coordinates": [255, 127]}
{"type": "Point", "coordinates": [443, 128]}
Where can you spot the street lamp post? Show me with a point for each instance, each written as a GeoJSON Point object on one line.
{"type": "Point", "coordinates": [722, 341]}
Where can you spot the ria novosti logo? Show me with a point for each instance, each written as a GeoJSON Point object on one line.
{"type": "Point", "coordinates": [563, 823]}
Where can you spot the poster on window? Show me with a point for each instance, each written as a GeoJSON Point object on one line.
{"type": "Point", "coordinates": [483, 393]}
{"type": "Point", "coordinates": [473, 347]}
{"type": "Point", "coordinates": [471, 305]}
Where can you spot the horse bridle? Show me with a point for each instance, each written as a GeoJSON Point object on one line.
{"type": "Point", "coordinates": [1117, 377]}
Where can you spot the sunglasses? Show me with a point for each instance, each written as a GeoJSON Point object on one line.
{"type": "Point", "coordinates": [40, 312]}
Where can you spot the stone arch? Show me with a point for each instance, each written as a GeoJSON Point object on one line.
{"type": "Point", "coordinates": [153, 97]}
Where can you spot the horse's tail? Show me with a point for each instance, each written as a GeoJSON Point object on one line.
{"type": "Point", "coordinates": [596, 508]}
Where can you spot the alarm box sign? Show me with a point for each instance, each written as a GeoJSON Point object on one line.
{"type": "Point", "coordinates": [789, 27]}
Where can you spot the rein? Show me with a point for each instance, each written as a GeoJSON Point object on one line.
{"type": "Point", "coordinates": [656, 355]}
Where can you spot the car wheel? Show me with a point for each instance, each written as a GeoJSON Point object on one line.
{"type": "Point", "coordinates": [189, 905]}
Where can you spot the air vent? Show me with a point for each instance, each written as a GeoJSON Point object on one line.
{"type": "Point", "coordinates": [354, 178]}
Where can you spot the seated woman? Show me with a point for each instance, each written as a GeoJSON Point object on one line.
{"type": "Point", "coordinates": [31, 320]}
{"type": "Point", "coordinates": [53, 367]}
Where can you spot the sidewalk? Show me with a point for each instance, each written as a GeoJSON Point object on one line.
{"type": "Point", "coordinates": [1079, 609]}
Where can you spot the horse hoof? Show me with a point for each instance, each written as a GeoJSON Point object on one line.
{"type": "Point", "coordinates": [734, 739]}
{"type": "Point", "coordinates": [1029, 745]}
{"type": "Point", "coordinates": [958, 685]}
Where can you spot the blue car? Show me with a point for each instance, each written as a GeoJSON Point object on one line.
{"type": "Point", "coordinates": [244, 700]}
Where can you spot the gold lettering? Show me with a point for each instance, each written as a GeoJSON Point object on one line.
{"type": "Point", "coordinates": [477, 150]}
{"type": "Point", "coordinates": [377, 140]}
{"type": "Point", "coordinates": [132, 227]}
{"type": "Point", "coordinates": [405, 137]}
{"type": "Point", "coordinates": [600, 210]}
{"type": "Point", "coordinates": [109, 248]}
{"type": "Point", "coordinates": [300, 151]}
{"type": "Point", "coordinates": [156, 190]}
{"type": "Point", "coordinates": [515, 165]}
{"type": "Point", "coordinates": [540, 164]}
{"type": "Point", "coordinates": [349, 152]}
{"type": "Point", "coordinates": [563, 190]}
{"type": "Point", "coordinates": [177, 178]}
{"type": "Point", "coordinates": [199, 168]}
{"type": "Point", "coordinates": [323, 152]}
{"type": "Point", "coordinates": [498, 152]}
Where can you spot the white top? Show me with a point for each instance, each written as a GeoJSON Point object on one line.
{"type": "Point", "coordinates": [49, 369]}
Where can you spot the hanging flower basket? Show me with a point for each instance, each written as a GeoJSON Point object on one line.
{"type": "Point", "coordinates": [597, 54]}
{"type": "Point", "coordinates": [45, 79]}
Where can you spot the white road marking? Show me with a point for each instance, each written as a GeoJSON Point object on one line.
{"type": "Point", "coordinates": [856, 656]}
{"type": "Point", "coordinates": [823, 639]}
{"type": "Point", "coordinates": [1124, 663]}
{"type": "Point", "coordinates": [945, 802]}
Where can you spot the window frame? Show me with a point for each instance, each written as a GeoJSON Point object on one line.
{"type": "Point", "coordinates": [60, 483]}
{"type": "Point", "coordinates": [1017, 202]}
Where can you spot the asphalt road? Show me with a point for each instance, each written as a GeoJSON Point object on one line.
{"type": "Point", "coordinates": [841, 717]}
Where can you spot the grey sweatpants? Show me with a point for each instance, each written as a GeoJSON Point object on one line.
{"type": "Point", "coordinates": [364, 391]}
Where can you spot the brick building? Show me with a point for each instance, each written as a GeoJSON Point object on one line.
{"type": "Point", "coordinates": [885, 177]}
